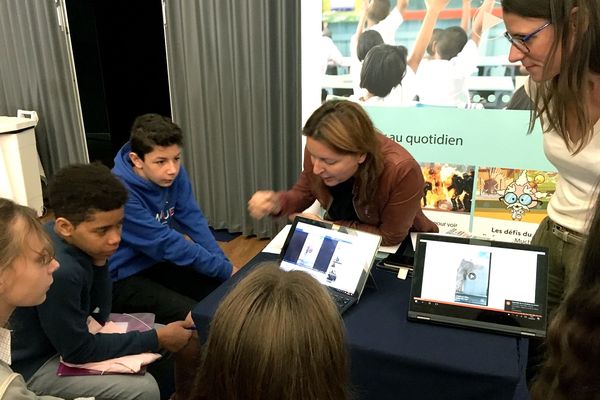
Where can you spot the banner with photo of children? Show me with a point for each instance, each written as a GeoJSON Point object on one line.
{"type": "Point", "coordinates": [484, 174]}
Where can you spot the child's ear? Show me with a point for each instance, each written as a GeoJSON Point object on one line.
{"type": "Point", "coordinates": [434, 49]}
{"type": "Point", "coordinates": [136, 160]}
{"type": "Point", "coordinates": [63, 227]}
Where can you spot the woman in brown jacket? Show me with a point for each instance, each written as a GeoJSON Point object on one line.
{"type": "Point", "coordinates": [363, 179]}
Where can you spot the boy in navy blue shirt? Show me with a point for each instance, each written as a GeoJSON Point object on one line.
{"type": "Point", "coordinates": [87, 201]}
{"type": "Point", "coordinates": [168, 259]}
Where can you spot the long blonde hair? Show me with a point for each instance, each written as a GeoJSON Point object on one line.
{"type": "Point", "coordinates": [276, 336]}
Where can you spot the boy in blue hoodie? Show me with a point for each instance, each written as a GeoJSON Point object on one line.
{"type": "Point", "coordinates": [168, 259]}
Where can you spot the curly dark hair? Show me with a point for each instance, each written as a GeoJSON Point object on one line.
{"type": "Point", "coordinates": [78, 190]}
{"type": "Point", "coordinates": [151, 130]}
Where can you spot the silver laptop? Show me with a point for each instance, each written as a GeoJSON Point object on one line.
{"type": "Point", "coordinates": [338, 257]}
{"type": "Point", "coordinates": [483, 284]}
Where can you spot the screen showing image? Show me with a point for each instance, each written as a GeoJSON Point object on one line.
{"type": "Point", "coordinates": [473, 276]}
{"type": "Point", "coordinates": [334, 257]}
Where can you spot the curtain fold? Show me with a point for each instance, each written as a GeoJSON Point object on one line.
{"type": "Point", "coordinates": [234, 72]}
{"type": "Point", "coordinates": [37, 74]}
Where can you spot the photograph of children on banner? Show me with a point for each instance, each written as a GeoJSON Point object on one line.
{"type": "Point", "coordinates": [448, 187]}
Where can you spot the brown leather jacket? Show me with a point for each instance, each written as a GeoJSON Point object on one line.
{"type": "Point", "coordinates": [395, 206]}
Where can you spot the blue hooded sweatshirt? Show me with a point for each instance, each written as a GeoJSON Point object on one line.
{"type": "Point", "coordinates": [149, 237]}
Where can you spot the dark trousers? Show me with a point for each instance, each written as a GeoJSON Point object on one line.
{"type": "Point", "coordinates": [563, 260]}
{"type": "Point", "coordinates": [169, 291]}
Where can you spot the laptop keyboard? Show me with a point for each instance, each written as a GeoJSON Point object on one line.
{"type": "Point", "coordinates": [340, 301]}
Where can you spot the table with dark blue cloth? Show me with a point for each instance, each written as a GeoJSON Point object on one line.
{"type": "Point", "coordinates": [393, 358]}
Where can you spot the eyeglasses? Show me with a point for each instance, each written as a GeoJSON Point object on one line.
{"type": "Point", "coordinates": [511, 198]}
{"type": "Point", "coordinates": [521, 42]}
{"type": "Point", "coordinates": [45, 257]}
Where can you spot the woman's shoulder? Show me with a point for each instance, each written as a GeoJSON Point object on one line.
{"type": "Point", "coordinates": [393, 151]}
{"type": "Point", "coordinates": [395, 156]}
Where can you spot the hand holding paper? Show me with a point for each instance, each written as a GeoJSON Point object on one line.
{"type": "Point", "coordinates": [175, 335]}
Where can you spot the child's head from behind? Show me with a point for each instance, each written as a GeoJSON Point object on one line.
{"type": "Point", "coordinates": [377, 11]}
{"type": "Point", "coordinates": [366, 41]}
{"type": "Point", "coordinates": [88, 201]}
{"type": "Point", "coordinates": [26, 257]}
{"type": "Point", "coordinates": [276, 335]}
{"type": "Point", "coordinates": [435, 35]}
{"type": "Point", "coordinates": [450, 42]}
{"type": "Point", "coordinates": [156, 149]}
{"type": "Point", "coordinates": [383, 69]}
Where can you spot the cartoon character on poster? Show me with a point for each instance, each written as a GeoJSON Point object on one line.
{"type": "Point", "coordinates": [522, 195]}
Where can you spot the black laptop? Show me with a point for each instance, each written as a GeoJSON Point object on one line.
{"type": "Point", "coordinates": [338, 257]}
{"type": "Point", "coordinates": [481, 284]}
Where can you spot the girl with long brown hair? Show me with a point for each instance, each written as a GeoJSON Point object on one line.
{"type": "Point", "coordinates": [276, 336]}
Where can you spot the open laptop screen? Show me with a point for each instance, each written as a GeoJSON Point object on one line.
{"type": "Point", "coordinates": [336, 256]}
{"type": "Point", "coordinates": [478, 283]}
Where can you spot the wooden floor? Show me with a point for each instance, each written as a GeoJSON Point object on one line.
{"type": "Point", "coordinates": [242, 249]}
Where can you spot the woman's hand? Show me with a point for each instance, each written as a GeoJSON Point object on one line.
{"type": "Point", "coordinates": [263, 202]}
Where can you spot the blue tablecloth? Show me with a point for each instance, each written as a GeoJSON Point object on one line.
{"type": "Point", "coordinates": [393, 358]}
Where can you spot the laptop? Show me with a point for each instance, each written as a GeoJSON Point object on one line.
{"type": "Point", "coordinates": [496, 286]}
{"type": "Point", "coordinates": [340, 258]}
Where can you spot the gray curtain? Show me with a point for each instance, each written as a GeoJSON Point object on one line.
{"type": "Point", "coordinates": [37, 74]}
{"type": "Point", "coordinates": [234, 71]}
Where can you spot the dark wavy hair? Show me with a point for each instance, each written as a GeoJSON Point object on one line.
{"type": "Point", "coordinates": [577, 34]}
{"type": "Point", "coordinates": [572, 367]}
{"type": "Point", "coordinates": [77, 191]}
{"type": "Point", "coordinates": [366, 41]}
{"type": "Point", "coordinates": [151, 130]}
{"type": "Point", "coordinates": [383, 69]}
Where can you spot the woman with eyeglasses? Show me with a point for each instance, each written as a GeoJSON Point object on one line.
{"type": "Point", "coordinates": [558, 42]}
{"type": "Point", "coordinates": [26, 267]}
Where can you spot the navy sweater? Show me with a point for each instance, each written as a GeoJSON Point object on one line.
{"type": "Point", "coordinates": [59, 325]}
